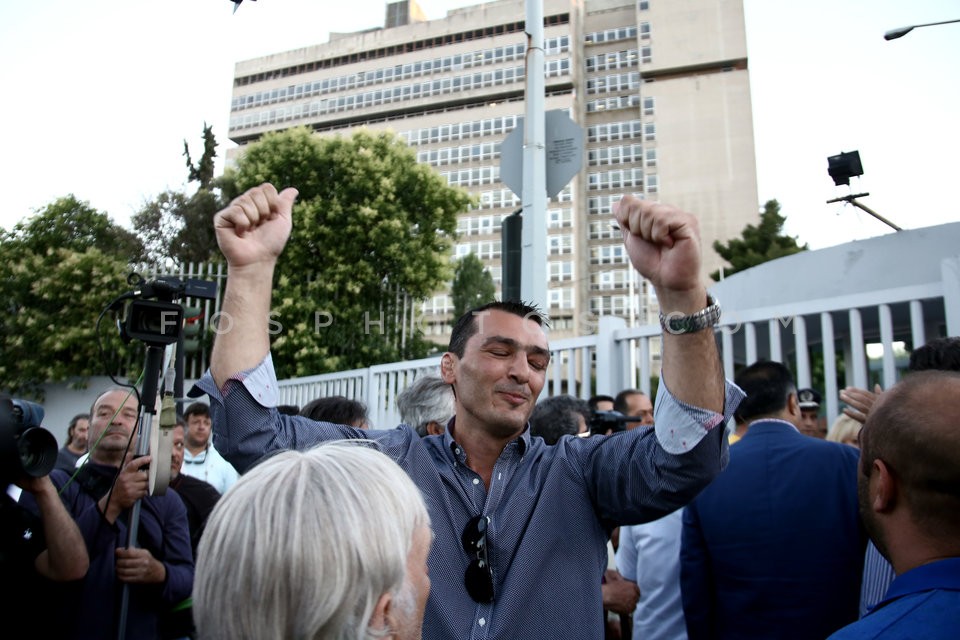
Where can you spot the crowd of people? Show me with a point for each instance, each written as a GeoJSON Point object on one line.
{"type": "Point", "coordinates": [492, 512]}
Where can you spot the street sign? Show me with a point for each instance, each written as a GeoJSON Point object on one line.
{"type": "Point", "coordinates": [564, 153]}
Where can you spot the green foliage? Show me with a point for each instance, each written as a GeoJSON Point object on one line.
{"type": "Point", "coordinates": [759, 243]}
{"type": "Point", "coordinates": [202, 172]}
{"type": "Point", "coordinates": [369, 225]}
{"type": "Point", "coordinates": [472, 285]}
{"type": "Point", "coordinates": [69, 223]}
{"type": "Point", "coordinates": [53, 298]}
{"type": "Point", "coordinates": [178, 227]}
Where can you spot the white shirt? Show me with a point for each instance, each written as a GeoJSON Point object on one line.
{"type": "Point", "coordinates": [211, 467]}
{"type": "Point", "coordinates": [649, 554]}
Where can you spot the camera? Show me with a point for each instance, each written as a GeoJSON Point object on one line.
{"type": "Point", "coordinates": [603, 422]}
{"type": "Point", "coordinates": [25, 446]}
{"type": "Point", "coordinates": [158, 321]}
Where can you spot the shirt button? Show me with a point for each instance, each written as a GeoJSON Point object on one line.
{"type": "Point", "coordinates": [457, 451]}
{"type": "Point", "coordinates": [482, 621]}
{"type": "Point", "coordinates": [476, 481]}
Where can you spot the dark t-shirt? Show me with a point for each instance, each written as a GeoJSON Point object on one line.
{"type": "Point", "coordinates": [21, 541]}
{"type": "Point", "coordinates": [199, 498]}
{"type": "Point", "coordinates": [67, 460]}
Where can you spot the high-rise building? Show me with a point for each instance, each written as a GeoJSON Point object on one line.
{"type": "Point", "coordinates": [660, 87]}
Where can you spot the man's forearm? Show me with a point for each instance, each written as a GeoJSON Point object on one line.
{"type": "Point", "coordinates": [691, 362]}
{"type": "Point", "coordinates": [242, 339]}
{"type": "Point", "coordinates": [66, 555]}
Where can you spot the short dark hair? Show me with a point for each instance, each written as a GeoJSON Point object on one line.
{"type": "Point", "coordinates": [942, 354]}
{"type": "Point", "coordinates": [620, 402]}
{"type": "Point", "coordinates": [595, 400]}
{"type": "Point", "coordinates": [467, 325]}
{"type": "Point", "coordinates": [196, 409]}
{"type": "Point", "coordinates": [912, 430]}
{"type": "Point", "coordinates": [556, 416]}
{"type": "Point", "coordinates": [335, 409]}
{"type": "Point", "coordinates": [768, 385]}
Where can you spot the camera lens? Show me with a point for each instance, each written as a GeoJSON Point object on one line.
{"type": "Point", "coordinates": [38, 452]}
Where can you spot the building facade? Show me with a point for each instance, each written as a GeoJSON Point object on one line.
{"type": "Point", "coordinates": [660, 87]}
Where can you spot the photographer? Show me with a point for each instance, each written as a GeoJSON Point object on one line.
{"type": "Point", "coordinates": [46, 544]}
{"type": "Point", "coordinates": [159, 570]}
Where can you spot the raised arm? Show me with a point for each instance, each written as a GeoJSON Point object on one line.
{"type": "Point", "coordinates": [65, 557]}
{"type": "Point", "coordinates": [663, 243]}
{"type": "Point", "coordinates": [859, 402]}
{"type": "Point", "coordinates": [251, 232]}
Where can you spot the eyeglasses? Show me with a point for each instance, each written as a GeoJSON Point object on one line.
{"type": "Point", "coordinates": [479, 576]}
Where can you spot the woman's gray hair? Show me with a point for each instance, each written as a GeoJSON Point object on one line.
{"type": "Point", "coordinates": [427, 399]}
{"type": "Point", "coordinates": [304, 545]}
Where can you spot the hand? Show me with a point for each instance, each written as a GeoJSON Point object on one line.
{"type": "Point", "coordinates": [663, 243]}
{"type": "Point", "coordinates": [36, 486]}
{"type": "Point", "coordinates": [619, 594]}
{"type": "Point", "coordinates": [138, 566]}
{"type": "Point", "coordinates": [254, 228]}
{"type": "Point", "coordinates": [859, 402]}
{"type": "Point", "coordinates": [131, 485]}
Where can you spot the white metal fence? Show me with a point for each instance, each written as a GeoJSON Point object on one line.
{"type": "Point", "coordinates": [839, 334]}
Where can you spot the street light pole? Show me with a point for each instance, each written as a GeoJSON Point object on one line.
{"type": "Point", "coordinates": [893, 34]}
{"type": "Point", "coordinates": [852, 199]}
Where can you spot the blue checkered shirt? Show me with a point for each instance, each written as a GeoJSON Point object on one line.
{"type": "Point", "coordinates": [551, 508]}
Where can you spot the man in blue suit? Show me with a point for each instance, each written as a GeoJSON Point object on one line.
{"type": "Point", "coordinates": [773, 548]}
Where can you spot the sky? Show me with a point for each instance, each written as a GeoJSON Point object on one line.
{"type": "Point", "coordinates": [99, 96]}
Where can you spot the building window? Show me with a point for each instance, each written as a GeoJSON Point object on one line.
{"type": "Point", "coordinates": [651, 157]}
{"type": "Point", "coordinates": [559, 244]}
{"type": "Point", "coordinates": [560, 271]}
{"type": "Point", "coordinates": [653, 184]}
{"type": "Point", "coordinates": [648, 105]}
{"type": "Point", "coordinates": [561, 298]}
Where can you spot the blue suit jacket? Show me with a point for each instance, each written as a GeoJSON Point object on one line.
{"type": "Point", "coordinates": [773, 548]}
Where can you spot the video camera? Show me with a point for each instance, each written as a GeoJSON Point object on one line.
{"type": "Point", "coordinates": [602, 422]}
{"type": "Point", "coordinates": [25, 446]}
{"type": "Point", "coordinates": [159, 321]}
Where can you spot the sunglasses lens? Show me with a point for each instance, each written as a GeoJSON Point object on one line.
{"type": "Point", "coordinates": [479, 576]}
{"type": "Point", "coordinates": [475, 534]}
{"type": "Point", "coordinates": [479, 581]}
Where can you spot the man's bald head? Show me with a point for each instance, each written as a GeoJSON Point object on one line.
{"type": "Point", "coordinates": [914, 428]}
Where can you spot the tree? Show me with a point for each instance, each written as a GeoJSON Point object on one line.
{"type": "Point", "coordinates": [759, 243]}
{"type": "Point", "coordinates": [372, 232]}
{"type": "Point", "coordinates": [472, 285]}
{"type": "Point", "coordinates": [69, 223]}
{"type": "Point", "coordinates": [58, 271]}
{"type": "Point", "coordinates": [202, 172]}
{"type": "Point", "coordinates": [178, 227]}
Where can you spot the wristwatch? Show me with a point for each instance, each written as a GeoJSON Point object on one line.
{"type": "Point", "coordinates": [678, 323]}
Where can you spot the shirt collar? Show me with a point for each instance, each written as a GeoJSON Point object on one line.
{"type": "Point", "coordinates": [200, 458]}
{"type": "Point", "coordinates": [523, 441]}
{"type": "Point", "coordinates": [942, 574]}
{"type": "Point", "coordinates": [764, 421]}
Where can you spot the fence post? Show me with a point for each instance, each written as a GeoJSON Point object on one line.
{"type": "Point", "coordinates": [950, 274]}
{"type": "Point", "coordinates": [610, 358]}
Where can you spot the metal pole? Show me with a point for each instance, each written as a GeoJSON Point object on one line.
{"type": "Point", "coordinates": [533, 288]}
{"type": "Point", "coordinates": [852, 199]}
{"type": "Point", "coordinates": [148, 402]}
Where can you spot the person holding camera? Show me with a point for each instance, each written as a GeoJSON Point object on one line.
{"type": "Point", "coordinates": [158, 571]}
{"type": "Point", "coordinates": [45, 544]}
